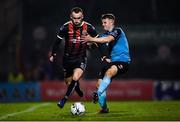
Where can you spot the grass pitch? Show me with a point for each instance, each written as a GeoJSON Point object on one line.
{"type": "Point", "coordinates": [130, 110]}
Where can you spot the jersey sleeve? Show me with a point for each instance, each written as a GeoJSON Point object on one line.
{"type": "Point", "coordinates": [92, 31]}
{"type": "Point", "coordinates": [115, 33]}
{"type": "Point", "coordinates": [61, 32]}
{"type": "Point", "coordinates": [58, 39]}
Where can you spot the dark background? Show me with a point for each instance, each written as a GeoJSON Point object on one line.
{"type": "Point", "coordinates": [28, 29]}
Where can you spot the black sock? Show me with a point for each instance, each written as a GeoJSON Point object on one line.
{"type": "Point", "coordinates": [78, 90]}
{"type": "Point", "coordinates": [70, 89]}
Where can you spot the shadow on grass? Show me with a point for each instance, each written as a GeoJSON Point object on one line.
{"type": "Point", "coordinates": [112, 115]}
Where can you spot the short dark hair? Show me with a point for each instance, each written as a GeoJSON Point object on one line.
{"type": "Point", "coordinates": [76, 10]}
{"type": "Point", "coordinates": [108, 15]}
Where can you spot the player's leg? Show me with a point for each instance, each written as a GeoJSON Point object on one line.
{"type": "Point", "coordinates": [76, 76]}
{"type": "Point", "coordinates": [102, 99]}
{"type": "Point", "coordinates": [102, 103]}
{"type": "Point", "coordinates": [116, 68]}
{"type": "Point", "coordinates": [94, 94]}
{"type": "Point", "coordinates": [68, 72]}
{"type": "Point", "coordinates": [111, 72]}
{"type": "Point", "coordinates": [78, 72]}
{"type": "Point", "coordinates": [77, 88]}
{"type": "Point", "coordinates": [101, 74]}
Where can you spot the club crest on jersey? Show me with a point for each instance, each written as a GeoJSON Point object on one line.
{"type": "Point", "coordinates": [76, 40]}
{"type": "Point", "coordinates": [73, 40]}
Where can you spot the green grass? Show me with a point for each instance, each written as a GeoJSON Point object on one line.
{"type": "Point", "coordinates": [131, 110]}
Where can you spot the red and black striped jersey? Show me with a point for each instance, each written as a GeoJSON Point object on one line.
{"type": "Point", "coordinates": [74, 46]}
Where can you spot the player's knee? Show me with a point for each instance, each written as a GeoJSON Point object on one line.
{"type": "Point", "coordinates": [109, 74]}
{"type": "Point", "coordinates": [76, 77]}
{"type": "Point", "coordinates": [77, 74]}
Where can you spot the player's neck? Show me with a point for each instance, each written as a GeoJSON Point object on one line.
{"type": "Point", "coordinates": [111, 28]}
{"type": "Point", "coordinates": [78, 25]}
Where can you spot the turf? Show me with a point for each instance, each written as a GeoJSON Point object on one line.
{"type": "Point", "coordinates": [130, 110]}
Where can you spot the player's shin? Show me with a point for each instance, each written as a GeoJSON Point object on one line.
{"type": "Point", "coordinates": [78, 90]}
{"type": "Point", "coordinates": [71, 88]}
{"type": "Point", "coordinates": [102, 100]}
{"type": "Point", "coordinates": [103, 85]}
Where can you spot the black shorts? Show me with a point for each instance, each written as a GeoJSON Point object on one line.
{"type": "Point", "coordinates": [122, 68]}
{"type": "Point", "coordinates": [70, 64]}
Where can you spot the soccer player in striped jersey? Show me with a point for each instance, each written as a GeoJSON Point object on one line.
{"type": "Point", "coordinates": [74, 58]}
{"type": "Point", "coordinates": [118, 54]}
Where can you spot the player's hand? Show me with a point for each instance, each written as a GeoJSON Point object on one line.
{"type": "Point", "coordinates": [108, 60]}
{"type": "Point", "coordinates": [104, 58]}
{"type": "Point", "coordinates": [86, 38]}
{"type": "Point", "coordinates": [52, 58]}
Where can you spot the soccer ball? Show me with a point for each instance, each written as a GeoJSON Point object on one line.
{"type": "Point", "coordinates": [78, 108]}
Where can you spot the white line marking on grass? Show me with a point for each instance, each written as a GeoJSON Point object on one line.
{"type": "Point", "coordinates": [25, 111]}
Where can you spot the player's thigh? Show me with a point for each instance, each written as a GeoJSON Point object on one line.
{"type": "Point", "coordinates": [79, 68]}
{"type": "Point", "coordinates": [77, 74]}
{"type": "Point", "coordinates": [112, 71]}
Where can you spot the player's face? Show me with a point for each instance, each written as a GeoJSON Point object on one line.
{"type": "Point", "coordinates": [107, 24]}
{"type": "Point", "coordinates": [77, 18]}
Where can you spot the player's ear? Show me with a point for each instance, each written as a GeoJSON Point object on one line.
{"type": "Point", "coordinates": [70, 16]}
{"type": "Point", "coordinates": [112, 21]}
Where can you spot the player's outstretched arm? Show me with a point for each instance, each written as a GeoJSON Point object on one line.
{"type": "Point", "coordinates": [89, 38]}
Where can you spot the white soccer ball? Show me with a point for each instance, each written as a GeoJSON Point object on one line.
{"type": "Point", "coordinates": [78, 108]}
